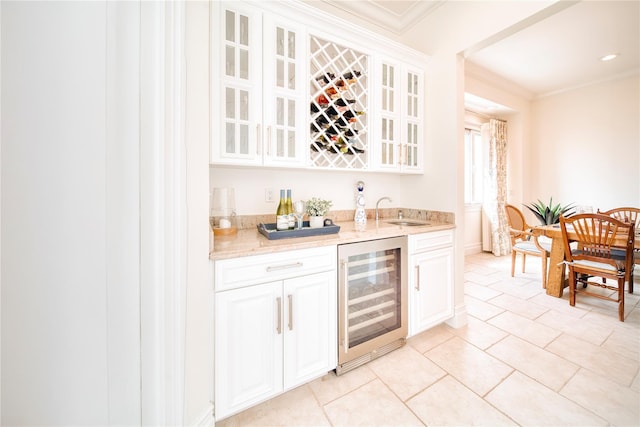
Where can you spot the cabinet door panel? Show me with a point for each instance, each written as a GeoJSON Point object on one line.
{"type": "Point", "coordinates": [248, 346]}
{"type": "Point", "coordinates": [390, 115]}
{"type": "Point", "coordinates": [400, 92]}
{"type": "Point", "coordinates": [432, 289]}
{"type": "Point", "coordinates": [310, 313]}
{"type": "Point", "coordinates": [237, 86]}
{"type": "Point", "coordinates": [412, 140]}
{"type": "Point", "coordinates": [284, 96]}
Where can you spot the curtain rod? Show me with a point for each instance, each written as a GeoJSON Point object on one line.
{"type": "Point", "coordinates": [483, 115]}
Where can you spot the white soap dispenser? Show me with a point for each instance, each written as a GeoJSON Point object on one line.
{"type": "Point", "coordinates": [360, 217]}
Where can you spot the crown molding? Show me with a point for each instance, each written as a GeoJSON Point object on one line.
{"type": "Point", "coordinates": [375, 13]}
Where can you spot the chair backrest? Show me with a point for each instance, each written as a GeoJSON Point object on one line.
{"type": "Point", "coordinates": [516, 222]}
{"type": "Point", "coordinates": [597, 235]}
{"type": "Point", "coordinates": [626, 214]}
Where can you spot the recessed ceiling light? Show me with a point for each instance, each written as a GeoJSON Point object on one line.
{"type": "Point", "coordinates": [609, 57]}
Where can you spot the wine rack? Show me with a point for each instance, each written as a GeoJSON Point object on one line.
{"type": "Point", "coordinates": [338, 104]}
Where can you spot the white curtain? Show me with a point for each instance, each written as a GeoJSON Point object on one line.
{"type": "Point", "coordinates": [495, 190]}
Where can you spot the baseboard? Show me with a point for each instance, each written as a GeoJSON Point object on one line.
{"type": "Point", "coordinates": [459, 318]}
{"type": "Point", "coordinates": [205, 419]}
{"type": "Point", "coordinates": [472, 248]}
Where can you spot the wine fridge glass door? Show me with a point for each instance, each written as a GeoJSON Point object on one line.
{"type": "Point", "coordinates": [372, 296]}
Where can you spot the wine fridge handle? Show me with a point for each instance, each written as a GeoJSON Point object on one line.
{"type": "Point", "coordinates": [290, 312]}
{"type": "Point", "coordinates": [279, 316]}
{"type": "Point", "coordinates": [345, 306]}
{"type": "Point", "coordinates": [418, 277]}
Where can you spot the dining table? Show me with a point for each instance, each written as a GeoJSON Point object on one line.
{"type": "Point", "coordinates": [556, 280]}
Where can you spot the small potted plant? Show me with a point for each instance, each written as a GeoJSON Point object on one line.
{"type": "Point", "coordinates": [550, 214]}
{"type": "Point", "coordinates": [316, 209]}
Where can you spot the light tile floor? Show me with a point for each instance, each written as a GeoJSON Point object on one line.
{"type": "Point", "coordinates": [524, 358]}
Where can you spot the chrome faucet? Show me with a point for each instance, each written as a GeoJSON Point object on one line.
{"type": "Point", "coordinates": [378, 203]}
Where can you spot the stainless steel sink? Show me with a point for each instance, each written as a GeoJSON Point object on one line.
{"type": "Point", "coordinates": [408, 223]}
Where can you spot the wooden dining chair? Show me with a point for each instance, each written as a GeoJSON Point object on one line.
{"type": "Point", "coordinates": [627, 214]}
{"type": "Point", "coordinates": [598, 236]}
{"type": "Point", "coordinates": [523, 241]}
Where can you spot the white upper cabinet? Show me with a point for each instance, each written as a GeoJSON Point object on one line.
{"type": "Point", "coordinates": [294, 87]}
{"type": "Point", "coordinates": [237, 85]}
{"type": "Point", "coordinates": [258, 86]}
{"type": "Point", "coordinates": [284, 93]}
{"type": "Point", "coordinates": [400, 105]}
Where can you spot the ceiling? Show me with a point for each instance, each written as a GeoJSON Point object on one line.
{"type": "Point", "coordinates": [556, 50]}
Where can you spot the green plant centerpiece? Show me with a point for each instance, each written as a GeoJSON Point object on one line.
{"type": "Point", "coordinates": [318, 207]}
{"type": "Point", "coordinates": [550, 214]}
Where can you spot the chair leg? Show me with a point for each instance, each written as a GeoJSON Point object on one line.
{"type": "Point", "coordinates": [621, 299]}
{"type": "Point", "coordinates": [572, 287]}
{"type": "Point", "coordinates": [544, 272]}
{"type": "Point", "coordinates": [513, 262]}
{"type": "Point", "coordinates": [524, 261]}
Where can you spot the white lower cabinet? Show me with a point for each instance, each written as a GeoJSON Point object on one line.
{"type": "Point", "coordinates": [430, 279]}
{"type": "Point", "coordinates": [273, 336]}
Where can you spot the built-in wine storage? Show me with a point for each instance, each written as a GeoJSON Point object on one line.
{"type": "Point", "coordinates": [338, 105]}
{"type": "Point", "coordinates": [373, 299]}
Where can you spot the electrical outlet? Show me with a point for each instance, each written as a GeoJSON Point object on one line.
{"type": "Point", "coordinates": [268, 195]}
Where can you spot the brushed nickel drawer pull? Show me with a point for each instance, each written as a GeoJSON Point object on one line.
{"type": "Point", "coordinates": [284, 267]}
{"type": "Point", "coordinates": [290, 312]}
{"type": "Point", "coordinates": [279, 319]}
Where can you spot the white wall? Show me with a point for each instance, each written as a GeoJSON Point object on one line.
{"type": "Point", "coordinates": [70, 305]}
{"type": "Point", "coordinates": [486, 85]}
{"type": "Point", "coordinates": [337, 186]}
{"type": "Point", "coordinates": [585, 146]}
{"type": "Point", "coordinates": [198, 364]}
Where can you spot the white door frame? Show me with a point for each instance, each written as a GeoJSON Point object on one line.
{"type": "Point", "coordinates": [163, 212]}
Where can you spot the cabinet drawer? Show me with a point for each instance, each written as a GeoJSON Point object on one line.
{"type": "Point", "coordinates": [238, 272]}
{"type": "Point", "coordinates": [427, 241]}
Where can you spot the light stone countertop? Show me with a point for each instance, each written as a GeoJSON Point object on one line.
{"type": "Point", "coordinates": [250, 242]}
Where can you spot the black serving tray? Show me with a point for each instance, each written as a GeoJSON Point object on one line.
{"type": "Point", "coordinates": [270, 232]}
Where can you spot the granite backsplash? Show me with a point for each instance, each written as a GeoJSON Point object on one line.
{"type": "Point", "coordinates": [251, 221]}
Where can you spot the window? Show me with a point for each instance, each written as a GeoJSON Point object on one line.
{"type": "Point", "coordinates": [472, 166]}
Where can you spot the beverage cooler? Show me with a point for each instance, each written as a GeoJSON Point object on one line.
{"type": "Point", "coordinates": [372, 279]}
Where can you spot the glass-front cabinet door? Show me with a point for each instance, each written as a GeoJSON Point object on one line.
{"type": "Point", "coordinates": [237, 92]}
{"type": "Point", "coordinates": [390, 119]}
{"type": "Point", "coordinates": [400, 126]}
{"type": "Point", "coordinates": [259, 87]}
{"type": "Point", "coordinates": [412, 140]}
{"type": "Point", "coordinates": [284, 77]}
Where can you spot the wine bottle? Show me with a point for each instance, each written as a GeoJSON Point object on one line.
{"type": "Point", "coordinates": [331, 112]}
{"type": "Point", "coordinates": [349, 114]}
{"type": "Point", "coordinates": [321, 121]}
{"type": "Point", "coordinates": [345, 146]}
{"type": "Point", "coordinates": [322, 101]}
{"type": "Point", "coordinates": [332, 130]}
{"type": "Point", "coordinates": [291, 219]}
{"type": "Point", "coordinates": [324, 79]}
{"type": "Point", "coordinates": [342, 102]}
{"type": "Point", "coordinates": [320, 143]}
{"type": "Point", "coordinates": [282, 218]}
{"type": "Point", "coordinates": [351, 75]}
